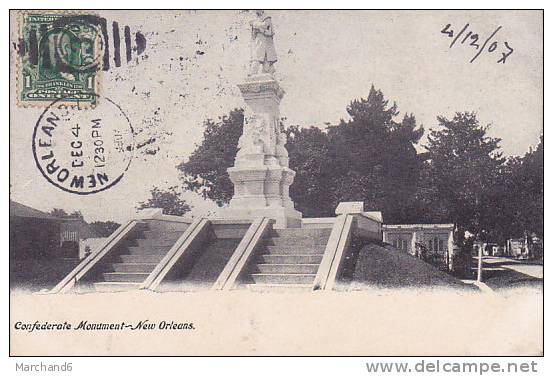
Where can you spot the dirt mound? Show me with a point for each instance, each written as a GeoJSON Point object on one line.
{"type": "Point", "coordinates": [388, 267]}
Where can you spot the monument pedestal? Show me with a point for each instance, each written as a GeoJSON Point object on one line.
{"type": "Point", "coordinates": [261, 175]}
{"type": "Point", "coordinates": [263, 191]}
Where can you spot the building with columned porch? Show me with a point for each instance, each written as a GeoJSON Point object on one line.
{"type": "Point", "coordinates": [434, 239]}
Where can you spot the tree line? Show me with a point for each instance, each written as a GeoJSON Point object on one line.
{"type": "Point", "coordinates": [461, 177]}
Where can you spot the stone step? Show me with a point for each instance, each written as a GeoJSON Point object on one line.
{"type": "Point", "coordinates": [138, 259]}
{"type": "Point", "coordinates": [142, 267]}
{"type": "Point", "coordinates": [287, 268]}
{"type": "Point", "coordinates": [230, 231]}
{"type": "Point", "coordinates": [141, 226]}
{"type": "Point", "coordinates": [124, 277]}
{"type": "Point", "coordinates": [323, 233]}
{"type": "Point", "coordinates": [162, 242]}
{"type": "Point", "coordinates": [165, 226]}
{"type": "Point", "coordinates": [273, 278]}
{"type": "Point", "coordinates": [298, 241]}
{"type": "Point", "coordinates": [290, 259]}
{"type": "Point", "coordinates": [273, 287]}
{"type": "Point", "coordinates": [165, 235]}
{"type": "Point", "coordinates": [153, 250]}
{"type": "Point", "coordinates": [115, 286]}
{"type": "Point", "coordinates": [293, 250]}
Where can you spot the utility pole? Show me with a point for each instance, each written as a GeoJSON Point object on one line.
{"type": "Point", "coordinates": [479, 275]}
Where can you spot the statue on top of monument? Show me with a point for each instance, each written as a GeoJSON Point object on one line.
{"type": "Point", "coordinates": [263, 53]}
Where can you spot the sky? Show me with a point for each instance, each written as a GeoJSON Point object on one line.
{"type": "Point", "coordinates": [194, 60]}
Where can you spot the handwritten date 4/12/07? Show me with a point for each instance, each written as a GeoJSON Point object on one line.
{"type": "Point", "coordinates": [467, 37]}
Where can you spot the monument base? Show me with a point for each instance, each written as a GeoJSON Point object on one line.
{"type": "Point", "coordinates": [262, 190]}
{"type": "Point", "coordinates": [284, 217]}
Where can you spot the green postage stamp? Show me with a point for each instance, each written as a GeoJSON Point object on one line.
{"type": "Point", "coordinates": [59, 59]}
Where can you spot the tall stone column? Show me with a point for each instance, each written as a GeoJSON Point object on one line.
{"type": "Point", "coordinates": [260, 174]}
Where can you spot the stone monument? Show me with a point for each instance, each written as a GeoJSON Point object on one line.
{"type": "Point", "coordinates": [260, 174]}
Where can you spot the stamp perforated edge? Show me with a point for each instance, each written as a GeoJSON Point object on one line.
{"type": "Point", "coordinates": [18, 66]}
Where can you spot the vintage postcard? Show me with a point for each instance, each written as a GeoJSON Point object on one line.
{"type": "Point", "coordinates": [276, 182]}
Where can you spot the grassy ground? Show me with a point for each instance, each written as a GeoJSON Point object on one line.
{"type": "Point", "coordinates": [38, 274]}
{"type": "Point", "coordinates": [504, 273]}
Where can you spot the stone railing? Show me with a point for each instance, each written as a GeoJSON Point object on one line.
{"type": "Point", "coordinates": [88, 263]}
{"type": "Point", "coordinates": [243, 254]}
{"type": "Point", "coordinates": [351, 221]}
{"type": "Point", "coordinates": [192, 237]}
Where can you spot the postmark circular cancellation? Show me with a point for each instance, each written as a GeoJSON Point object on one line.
{"type": "Point", "coordinates": [83, 152]}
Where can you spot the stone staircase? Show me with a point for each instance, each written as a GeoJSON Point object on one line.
{"type": "Point", "coordinates": [200, 269]}
{"type": "Point", "coordinates": [288, 260]}
{"type": "Point", "coordinates": [131, 264]}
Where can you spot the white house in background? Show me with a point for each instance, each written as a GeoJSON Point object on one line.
{"type": "Point", "coordinates": [437, 238]}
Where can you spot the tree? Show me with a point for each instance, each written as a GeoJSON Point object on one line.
{"type": "Point", "coordinates": [308, 150]}
{"type": "Point", "coordinates": [58, 213]}
{"type": "Point", "coordinates": [461, 174]}
{"type": "Point", "coordinates": [61, 213]}
{"type": "Point", "coordinates": [104, 229]}
{"type": "Point", "coordinates": [519, 197]}
{"type": "Point", "coordinates": [206, 170]}
{"type": "Point", "coordinates": [169, 200]}
{"type": "Point", "coordinates": [375, 159]}
{"type": "Point", "coordinates": [532, 179]}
